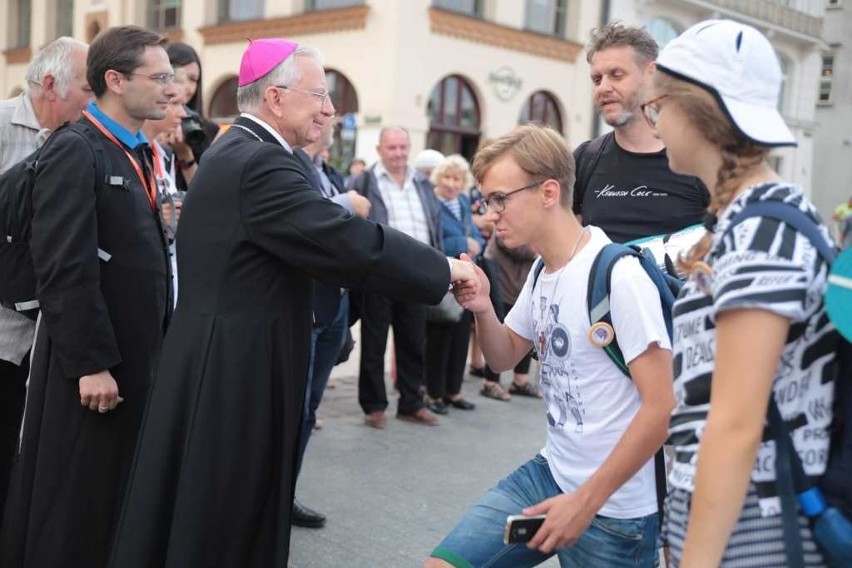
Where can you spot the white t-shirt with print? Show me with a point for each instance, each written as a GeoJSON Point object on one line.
{"type": "Point", "coordinates": [589, 401]}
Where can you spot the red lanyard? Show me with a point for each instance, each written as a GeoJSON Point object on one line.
{"type": "Point", "coordinates": [149, 183]}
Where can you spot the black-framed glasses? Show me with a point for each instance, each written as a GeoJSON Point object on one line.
{"type": "Point", "coordinates": [321, 95]}
{"type": "Point", "coordinates": [497, 201]}
{"type": "Point", "coordinates": [159, 78]}
{"type": "Point", "coordinates": [651, 111]}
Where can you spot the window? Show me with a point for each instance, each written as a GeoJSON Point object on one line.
{"type": "Point", "coordinates": [19, 23]}
{"type": "Point", "coordinates": [782, 93]}
{"type": "Point", "coordinates": [541, 108]}
{"type": "Point", "coordinates": [453, 118]}
{"type": "Point", "coordinates": [164, 14]}
{"type": "Point", "coordinates": [662, 30]}
{"type": "Point", "coordinates": [223, 105]}
{"type": "Point", "coordinates": [64, 18]}
{"type": "Point", "coordinates": [546, 16]}
{"type": "Point", "coordinates": [236, 10]}
{"type": "Point", "coordinates": [471, 7]}
{"type": "Point", "coordinates": [311, 5]}
{"type": "Point", "coordinates": [825, 80]}
{"type": "Point", "coordinates": [345, 101]}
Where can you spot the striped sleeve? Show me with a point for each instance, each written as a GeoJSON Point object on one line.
{"type": "Point", "coordinates": [765, 264]}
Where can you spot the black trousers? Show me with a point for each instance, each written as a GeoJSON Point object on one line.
{"type": "Point", "coordinates": [446, 356]}
{"type": "Point", "coordinates": [13, 380]}
{"type": "Point", "coordinates": [409, 330]}
{"type": "Point", "coordinates": [523, 366]}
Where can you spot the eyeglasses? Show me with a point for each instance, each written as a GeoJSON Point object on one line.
{"type": "Point", "coordinates": [497, 201]}
{"type": "Point", "coordinates": [159, 78]}
{"type": "Point", "coordinates": [321, 95]}
{"type": "Point", "coordinates": [651, 111]}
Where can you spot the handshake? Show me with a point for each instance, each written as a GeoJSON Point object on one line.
{"type": "Point", "coordinates": [469, 284]}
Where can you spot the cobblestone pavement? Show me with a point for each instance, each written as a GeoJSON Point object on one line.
{"type": "Point", "coordinates": [391, 495]}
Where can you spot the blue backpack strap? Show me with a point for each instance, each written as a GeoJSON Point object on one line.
{"type": "Point", "coordinates": [597, 298]}
{"type": "Point", "coordinates": [600, 287]}
{"type": "Point", "coordinates": [793, 216]}
{"type": "Point", "coordinates": [538, 266]}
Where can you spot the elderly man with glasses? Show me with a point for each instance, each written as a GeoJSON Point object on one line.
{"type": "Point", "coordinates": [214, 473]}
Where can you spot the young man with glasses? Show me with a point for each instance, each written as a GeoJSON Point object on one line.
{"type": "Point", "coordinates": [624, 184]}
{"type": "Point", "coordinates": [594, 479]}
{"type": "Point", "coordinates": [102, 264]}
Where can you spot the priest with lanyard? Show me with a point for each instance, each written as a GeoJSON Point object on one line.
{"type": "Point", "coordinates": [212, 483]}
{"type": "Point", "coordinates": [102, 266]}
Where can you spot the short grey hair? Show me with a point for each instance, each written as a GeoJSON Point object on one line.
{"type": "Point", "coordinates": [455, 162]}
{"type": "Point", "coordinates": [250, 97]}
{"type": "Point", "coordinates": [54, 59]}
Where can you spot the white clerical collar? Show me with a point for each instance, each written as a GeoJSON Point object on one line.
{"type": "Point", "coordinates": [269, 129]}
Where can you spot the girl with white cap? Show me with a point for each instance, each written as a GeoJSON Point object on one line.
{"type": "Point", "coordinates": [750, 321]}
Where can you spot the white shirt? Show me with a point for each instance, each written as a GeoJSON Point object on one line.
{"type": "Point", "coordinates": [405, 210]}
{"type": "Point", "coordinates": [269, 129]}
{"type": "Point", "coordinates": [589, 401]}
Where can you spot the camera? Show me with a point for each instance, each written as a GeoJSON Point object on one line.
{"type": "Point", "coordinates": [193, 132]}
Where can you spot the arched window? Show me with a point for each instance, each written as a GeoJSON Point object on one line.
{"type": "Point", "coordinates": [223, 104]}
{"type": "Point", "coordinates": [661, 30]}
{"type": "Point", "coordinates": [345, 101]}
{"type": "Point", "coordinates": [541, 107]}
{"type": "Point", "coordinates": [453, 118]}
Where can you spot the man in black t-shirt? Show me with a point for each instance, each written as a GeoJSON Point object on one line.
{"type": "Point", "coordinates": [624, 184]}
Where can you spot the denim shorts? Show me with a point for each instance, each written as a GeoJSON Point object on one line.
{"type": "Point", "coordinates": [477, 541]}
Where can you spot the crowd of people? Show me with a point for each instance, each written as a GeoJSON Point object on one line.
{"type": "Point", "coordinates": [196, 286]}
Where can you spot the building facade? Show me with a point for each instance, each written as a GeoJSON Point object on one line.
{"type": "Point", "coordinates": [454, 72]}
{"type": "Point", "coordinates": [833, 138]}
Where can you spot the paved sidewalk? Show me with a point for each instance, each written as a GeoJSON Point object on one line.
{"type": "Point", "coordinates": [391, 495]}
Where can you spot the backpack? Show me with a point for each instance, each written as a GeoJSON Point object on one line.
{"type": "Point", "coordinates": [829, 503]}
{"type": "Point", "coordinates": [598, 305]}
{"type": "Point", "coordinates": [18, 285]}
{"type": "Point", "coordinates": [585, 166]}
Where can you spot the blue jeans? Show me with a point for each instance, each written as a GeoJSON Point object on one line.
{"type": "Point", "coordinates": [326, 343]}
{"type": "Point", "coordinates": [477, 541]}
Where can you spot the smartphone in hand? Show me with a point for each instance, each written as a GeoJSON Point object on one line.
{"type": "Point", "coordinates": [520, 528]}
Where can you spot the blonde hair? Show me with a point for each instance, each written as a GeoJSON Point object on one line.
{"type": "Point", "coordinates": [539, 151]}
{"type": "Point", "coordinates": [739, 155]}
{"type": "Point", "coordinates": [453, 162]}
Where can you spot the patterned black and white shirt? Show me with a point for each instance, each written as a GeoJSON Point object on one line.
{"type": "Point", "coordinates": [765, 264]}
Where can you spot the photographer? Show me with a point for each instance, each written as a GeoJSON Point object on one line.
{"type": "Point", "coordinates": [196, 133]}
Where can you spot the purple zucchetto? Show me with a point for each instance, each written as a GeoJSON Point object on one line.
{"type": "Point", "coordinates": [262, 56]}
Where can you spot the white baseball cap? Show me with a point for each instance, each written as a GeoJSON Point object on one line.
{"type": "Point", "coordinates": [737, 64]}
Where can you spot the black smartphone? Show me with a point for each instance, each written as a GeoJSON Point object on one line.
{"type": "Point", "coordinates": [520, 528]}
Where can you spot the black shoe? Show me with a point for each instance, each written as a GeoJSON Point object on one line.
{"type": "Point", "coordinates": [460, 403]}
{"type": "Point", "coordinates": [437, 406]}
{"type": "Point", "coordinates": [304, 517]}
